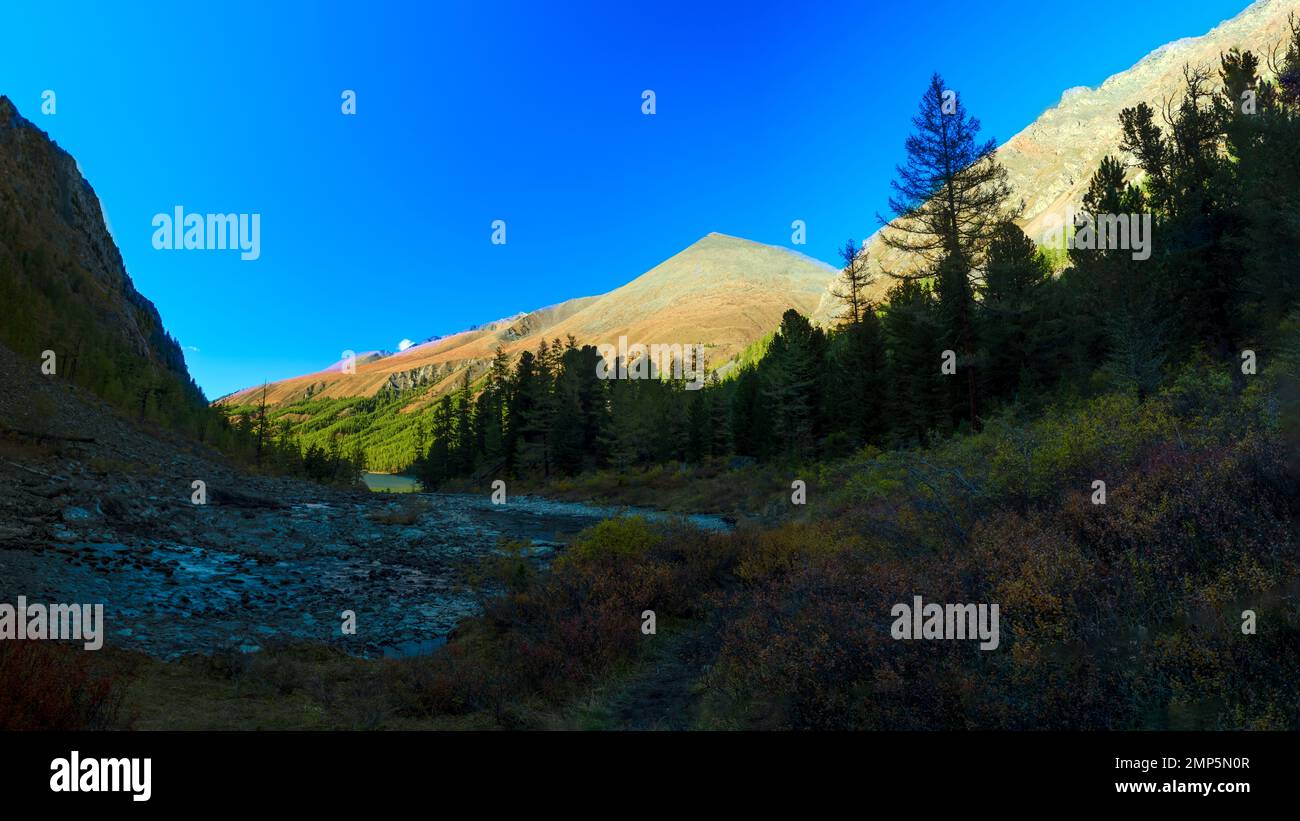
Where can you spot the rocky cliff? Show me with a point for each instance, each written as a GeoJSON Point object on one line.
{"type": "Point", "coordinates": [62, 281]}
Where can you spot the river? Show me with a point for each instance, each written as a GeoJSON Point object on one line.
{"type": "Point", "coordinates": [390, 482]}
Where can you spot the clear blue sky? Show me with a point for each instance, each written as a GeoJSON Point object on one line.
{"type": "Point", "coordinates": [377, 227]}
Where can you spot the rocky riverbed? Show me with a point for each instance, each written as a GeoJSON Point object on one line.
{"type": "Point", "coordinates": [242, 577]}
{"type": "Point", "coordinates": [98, 508]}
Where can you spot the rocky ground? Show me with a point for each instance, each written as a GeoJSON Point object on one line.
{"type": "Point", "coordinates": [101, 511]}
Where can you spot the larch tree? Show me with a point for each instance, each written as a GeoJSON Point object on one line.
{"type": "Point", "coordinates": [949, 197]}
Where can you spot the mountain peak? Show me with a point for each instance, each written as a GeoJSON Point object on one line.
{"type": "Point", "coordinates": [719, 237]}
{"type": "Point", "coordinates": [723, 291]}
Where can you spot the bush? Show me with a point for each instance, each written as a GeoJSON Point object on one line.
{"type": "Point", "coordinates": [1118, 616]}
{"type": "Point", "coordinates": [550, 635]}
{"type": "Point", "coordinates": [48, 686]}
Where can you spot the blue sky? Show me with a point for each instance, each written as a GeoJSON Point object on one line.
{"type": "Point", "coordinates": [376, 227]}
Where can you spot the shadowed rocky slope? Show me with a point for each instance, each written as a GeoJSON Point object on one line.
{"type": "Point", "coordinates": [62, 281]}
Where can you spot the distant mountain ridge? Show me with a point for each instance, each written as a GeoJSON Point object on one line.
{"type": "Point", "coordinates": [722, 291]}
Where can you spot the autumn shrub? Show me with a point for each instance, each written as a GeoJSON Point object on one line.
{"type": "Point", "coordinates": [812, 651]}
{"type": "Point", "coordinates": [556, 632]}
{"type": "Point", "coordinates": [1121, 615]}
{"type": "Point", "coordinates": [48, 686]}
{"type": "Point", "coordinates": [616, 540]}
{"type": "Point", "coordinates": [766, 554]}
{"type": "Point", "coordinates": [1018, 464]}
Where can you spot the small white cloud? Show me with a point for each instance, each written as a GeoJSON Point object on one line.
{"type": "Point", "coordinates": [191, 348]}
{"type": "Point", "coordinates": [404, 344]}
